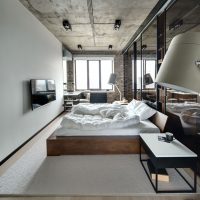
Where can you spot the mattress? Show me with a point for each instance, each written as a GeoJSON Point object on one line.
{"type": "Point", "coordinates": [143, 127]}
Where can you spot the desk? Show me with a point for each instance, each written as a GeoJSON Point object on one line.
{"type": "Point", "coordinates": [70, 99]}
{"type": "Point", "coordinates": [72, 95]}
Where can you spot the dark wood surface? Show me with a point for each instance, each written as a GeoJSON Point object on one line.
{"type": "Point", "coordinates": [94, 145]}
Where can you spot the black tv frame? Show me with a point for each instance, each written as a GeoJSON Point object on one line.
{"type": "Point", "coordinates": [42, 97]}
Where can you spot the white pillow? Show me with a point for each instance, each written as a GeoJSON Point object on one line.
{"type": "Point", "coordinates": [133, 104]}
{"type": "Point", "coordinates": [144, 111]}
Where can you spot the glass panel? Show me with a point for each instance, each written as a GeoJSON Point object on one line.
{"type": "Point", "coordinates": [93, 74]}
{"type": "Point", "coordinates": [81, 74]}
{"type": "Point", "coordinates": [139, 70]}
{"type": "Point", "coordinates": [139, 74]}
{"type": "Point", "coordinates": [151, 69]}
{"type": "Point", "coordinates": [187, 107]}
{"type": "Point", "coordinates": [181, 17]}
{"type": "Point", "coordinates": [106, 70]}
{"type": "Point", "coordinates": [149, 56]}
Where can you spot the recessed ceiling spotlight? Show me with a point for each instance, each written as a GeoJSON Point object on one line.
{"type": "Point", "coordinates": [110, 47]}
{"type": "Point", "coordinates": [117, 24]}
{"type": "Point", "coordinates": [67, 25]}
{"type": "Point", "coordinates": [144, 46]}
{"type": "Point", "coordinates": [175, 25]}
{"type": "Point", "coordinates": [79, 46]}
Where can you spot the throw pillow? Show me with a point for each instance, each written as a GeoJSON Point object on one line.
{"type": "Point", "coordinates": [144, 111]}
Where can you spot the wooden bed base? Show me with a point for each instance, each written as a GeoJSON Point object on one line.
{"type": "Point", "coordinates": [95, 145]}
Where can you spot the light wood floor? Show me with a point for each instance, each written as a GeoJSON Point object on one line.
{"type": "Point", "coordinates": [157, 197]}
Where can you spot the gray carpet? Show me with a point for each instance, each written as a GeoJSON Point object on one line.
{"type": "Point", "coordinates": [96, 175]}
{"type": "Point", "coordinates": [93, 175]}
{"type": "Point", "coordinates": [120, 175]}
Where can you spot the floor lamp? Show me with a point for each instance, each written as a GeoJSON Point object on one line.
{"type": "Point", "coordinates": [112, 81]}
{"type": "Point", "coordinates": [147, 80]}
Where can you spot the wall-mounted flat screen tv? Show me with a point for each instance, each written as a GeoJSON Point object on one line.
{"type": "Point", "coordinates": [42, 92]}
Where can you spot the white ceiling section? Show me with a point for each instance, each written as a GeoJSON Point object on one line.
{"type": "Point", "coordinates": [92, 21]}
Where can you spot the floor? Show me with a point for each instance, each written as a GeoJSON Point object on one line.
{"type": "Point", "coordinates": [36, 176]}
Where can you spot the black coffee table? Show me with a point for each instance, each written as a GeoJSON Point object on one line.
{"type": "Point", "coordinates": [167, 155]}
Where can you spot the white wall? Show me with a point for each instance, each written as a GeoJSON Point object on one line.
{"type": "Point", "coordinates": [27, 51]}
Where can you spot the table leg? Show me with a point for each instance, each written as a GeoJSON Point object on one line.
{"type": "Point", "coordinates": [195, 178]}
{"type": "Point", "coordinates": [140, 151]}
{"type": "Point", "coordinates": [156, 180]}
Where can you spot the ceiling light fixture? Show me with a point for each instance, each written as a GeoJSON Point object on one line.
{"type": "Point", "coordinates": [175, 25]}
{"type": "Point", "coordinates": [79, 46]}
{"type": "Point", "coordinates": [117, 24]}
{"type": "Point", "coordinates": [110, 47]}
{"type": "Point", "coordinates": [144, 46]}
{"type": "Point", "coordinates": [67, 25]}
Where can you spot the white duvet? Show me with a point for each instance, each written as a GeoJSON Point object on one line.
{"type": "Point", "coordinates": [99, 116]}
{"type": "Point", "coordinates": [96, 109]}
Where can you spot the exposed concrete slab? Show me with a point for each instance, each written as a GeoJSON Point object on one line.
{"type": "Point", "coordinates": [92, 21]}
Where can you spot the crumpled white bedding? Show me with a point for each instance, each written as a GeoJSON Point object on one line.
{"type": "Point", "coordinates": [132, 130]}
{"type": "Point", "coordinates": [99, 116]}
{"type": "Point", "coordinates": [97, 109]}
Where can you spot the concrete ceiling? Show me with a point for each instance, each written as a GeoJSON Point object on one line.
{"type": "Point", "coordinates": [92, 21]}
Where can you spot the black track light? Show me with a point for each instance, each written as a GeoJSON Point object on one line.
{"type": "Point", "coordinates": [117, 24]}
{"type": "Point", "coordinates": [110, 47]}
{"type": "Point", "coordinates": [79, 46]}
{"type": "Point", "coordinates": [144, 46]}
{"type": "Point", "coordinates": [67, 25]}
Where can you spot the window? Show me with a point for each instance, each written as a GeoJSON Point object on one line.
{"type": "Point", "coordinates": [93, 74]}
{"type": "Point", "coordinates": [106, 70]}
{"type": "Point", "coordinates": [151, 69]}
{"type": "Point", "coordinates": [149, 66]}
{"type": "Point", "coordinates": [81, 74]}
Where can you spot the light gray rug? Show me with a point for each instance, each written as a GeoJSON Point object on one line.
{"type": "Point", "coordinates": [109, 175]}
{"type": "Point", "coordinates": [94, 175]}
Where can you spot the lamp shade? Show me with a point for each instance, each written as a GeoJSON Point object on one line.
{"type": "Point", "coordinates": [148, 79]}
{"type": "Point", "coordinates": [112, 79]}
{"type": "Point", "coordinates": [180, 69]}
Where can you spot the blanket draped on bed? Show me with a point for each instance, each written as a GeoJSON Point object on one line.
{"type": "Point", "coordinates": [99, 116]}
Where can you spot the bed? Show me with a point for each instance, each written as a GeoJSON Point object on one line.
{"type": "Point", "coordinates": [125, 140]}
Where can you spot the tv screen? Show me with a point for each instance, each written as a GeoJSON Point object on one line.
{"type": "Point", "coordinates": [42, 92]}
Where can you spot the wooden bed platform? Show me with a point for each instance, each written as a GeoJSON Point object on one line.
{"type": "Point", "coordinates": [94, 145]}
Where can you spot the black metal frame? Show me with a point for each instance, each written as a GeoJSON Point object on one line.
{"type": "Point", "coordinates": [163, 162]}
